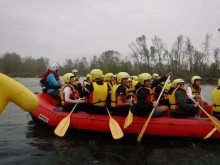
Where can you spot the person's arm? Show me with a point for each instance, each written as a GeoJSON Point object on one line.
{"type": "Point", "coordinates": [189, 92]}
{"type": "Point", "coordinates": [52, 80]}
{"type": "Point", "coordinates": [67, 91]}
{"type": "Point", "coordinates": [86, 91]}
{"type": "Point", "coordinates": [121, 92]}
{"type": "Point", "coordinates": [181, 102]}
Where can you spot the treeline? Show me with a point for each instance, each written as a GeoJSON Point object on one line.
{"type": "Point", "coordinates": [184, 60]}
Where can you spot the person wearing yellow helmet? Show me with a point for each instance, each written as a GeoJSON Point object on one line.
{"type": "Point", "coordinates": [96, 93]}
{"type": "Point", "coordinates": [68, 93]}
{"type": "Point", "coordinates": [120, 103]}
{"type": "Point", "coordinates": [216, 101]}
{"type": "Point", "coordinates": [145, 102]}
{"type": "Point", "coordinates": [108, 79]}
{"type": "Point", "coordinates": [179, 105]}
{"type": "Point", "coordinates": [155, 76]}
{"type": "Point", "coordinates": [156, 92]}
{"type": "Point", "coordinates": [51, 82]}
{"type": "Point", "coordinates": [87, 80]}
{"type": "Point", "coordinates": [114, 79]}
{"type": "Point", "coordinates": [194, 91]}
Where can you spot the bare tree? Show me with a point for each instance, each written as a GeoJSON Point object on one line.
{"type": "Point", "coordinates": [206, 47]}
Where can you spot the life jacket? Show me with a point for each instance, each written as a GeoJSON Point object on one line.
{"type": "Point", "coordinates": [114, 95]}
{"type": "Point", "coordinates": [215, 100]}
{"type": "Point", "coordinates": [194, 91]}
{"type": "Point", "coordinates": [134, 82]}
{"type": "Point", "coordinates": [45, 85]}
{"type": "Point", "coordinates": [154, 93]}
{"type": "Point", "coordinates": [167, 88]}
{"type": "Point", "coordinates": [110, 85]}
{"type": "Point", "coordinates": [173, 100]}
{"type": "Point", "coordinates": [62, 95]}
{"type": "Point", "coordinates": [149, 97]}
{"type": "Point", "coordinates": [99, 95]}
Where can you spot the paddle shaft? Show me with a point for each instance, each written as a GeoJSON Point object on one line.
{"type": "Point", "coordinates": [64, 123]}
{"type": "Point", "coordinates": [149, 117]}
{"type": "Point", "coordinates": [198, 105]}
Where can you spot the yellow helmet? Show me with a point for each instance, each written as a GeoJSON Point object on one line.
{"type": "Point", "coordinates": [122, 75]}
{"type": "Point", "coordinates": [96, 73]}
{"type": "Point", "coordinates": [67, 77]}
{"type": "Point", "coordinates": [88, 76]}
{"type": "Point", "coordinates": [108, 76]}
{"type": "Point", "coordinates": [195, 78]}
{"type": "Point", "coordinates": [155, 75]}
{"type": "Point", "coordinates": [143, 77]}
{"type": "Point", "coordinates": [135, 78]}
{"type": "Point", "coordinates": [176, 81]}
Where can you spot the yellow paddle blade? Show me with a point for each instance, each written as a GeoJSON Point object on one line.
{"type": "Point", "coordinates": [144, 127]}
{"type": "Point", "coordinates": [62, 126]}
{"type": "Point", "coordinates": [128, 119]}
{"type": "Point", "coordinates": [215, 122]}
{"type": "Point", "coordinates": [115, 129]}
{"type": "Point", "coordinates": [210, 133]}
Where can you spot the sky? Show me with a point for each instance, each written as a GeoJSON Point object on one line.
{"type": "Point", "coordinates": [70, 29]}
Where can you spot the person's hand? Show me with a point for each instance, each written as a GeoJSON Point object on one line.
{"type": "Point", "coordinates": [131, 105]}
{"type": "Point", "coordinates": [60, 81]}
{"type": "Point", "coordinates": [196, 104]}
{"type": "Point", "coordinates": [155, 104]}
{"type": "Point", "coordinates": [169, 74]}
{"type": "Point", "coordinates": [198, 97]}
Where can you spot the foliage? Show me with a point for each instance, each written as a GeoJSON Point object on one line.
{"type": "Point", "coordinates": [184, 60]}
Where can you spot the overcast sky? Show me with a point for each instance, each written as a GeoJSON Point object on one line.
{"type": "Point", "coordinates": [67, 29]}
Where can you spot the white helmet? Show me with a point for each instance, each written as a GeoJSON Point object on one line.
{"type": "Point", "coordinates": [53, 66]}
{"type": "Point", "coordinates": [75, 71]}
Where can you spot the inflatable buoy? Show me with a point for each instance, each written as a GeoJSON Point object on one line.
{"type": "Point", "coordinates": [11, 90]}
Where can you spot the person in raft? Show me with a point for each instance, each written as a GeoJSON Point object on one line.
{"type": "Point", "coordinates": [119, 104]}
{"type": "Point", "coordinates": [96, 93]}
{"type": "Point", "coordinates": [156, 92]}
{"type": "Point", "coordinates": [87, 80]}
{"type": "Point", "coordinates": [179, 105]}
{"type": "Point", "coordinates": [195, 92]}
{"type": "Point", "coordinates": [216, 101]}
{"type": "Point", "coordinates": [52, 81]}
{"type": "Point", "coordinates": [144, 93]}
{"type": "Point", "coordinates": [155, 76]}
{"type": "Point", "coordinates": [68, 93]}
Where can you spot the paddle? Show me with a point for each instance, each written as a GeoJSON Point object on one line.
{"type": "Point", "coordinates": [114, 127]}
{"type": "Point", "coordinates": [210, 133]}
{"type": "Point", "coordinates": [129, 118]}
{"type": "Point", "coordinates": [148, 119]}
{"type": "Point", "coordinates": [214, 121]}
{"type": "Point", "coordinates": [64, 124]}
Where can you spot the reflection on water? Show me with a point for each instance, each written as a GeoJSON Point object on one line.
{"type": "Point", "coordinates": [23, 142]}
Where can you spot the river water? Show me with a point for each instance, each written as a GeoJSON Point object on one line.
{"type": "Point", "coordinates": [22, 142]}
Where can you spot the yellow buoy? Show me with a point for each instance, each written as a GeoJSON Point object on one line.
{"type": "Point", "coordinates": [11, 90]}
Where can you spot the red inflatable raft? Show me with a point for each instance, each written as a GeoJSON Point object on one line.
{"type": "Point", "coordinates": [48, 114]}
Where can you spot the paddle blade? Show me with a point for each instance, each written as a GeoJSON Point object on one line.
{"type": "Point", "coordinates": [128, 119]}
{"type": "Point", "coordinates": [115, 129]}
{"type": "Point", "coordinates": [210, 133]}
{"type": "Point", "coordinates": [144, 128]}
{"type": "Point", "coordinates": [62, 126]}
{"type": "Point", "coordinates": [215, 122]}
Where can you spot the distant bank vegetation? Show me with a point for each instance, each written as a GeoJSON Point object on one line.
{"type": "Point", "coordinates": [184, 60]}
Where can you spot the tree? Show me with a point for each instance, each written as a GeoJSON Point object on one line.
{"type": "Point", "coordinates": [140, 54]}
